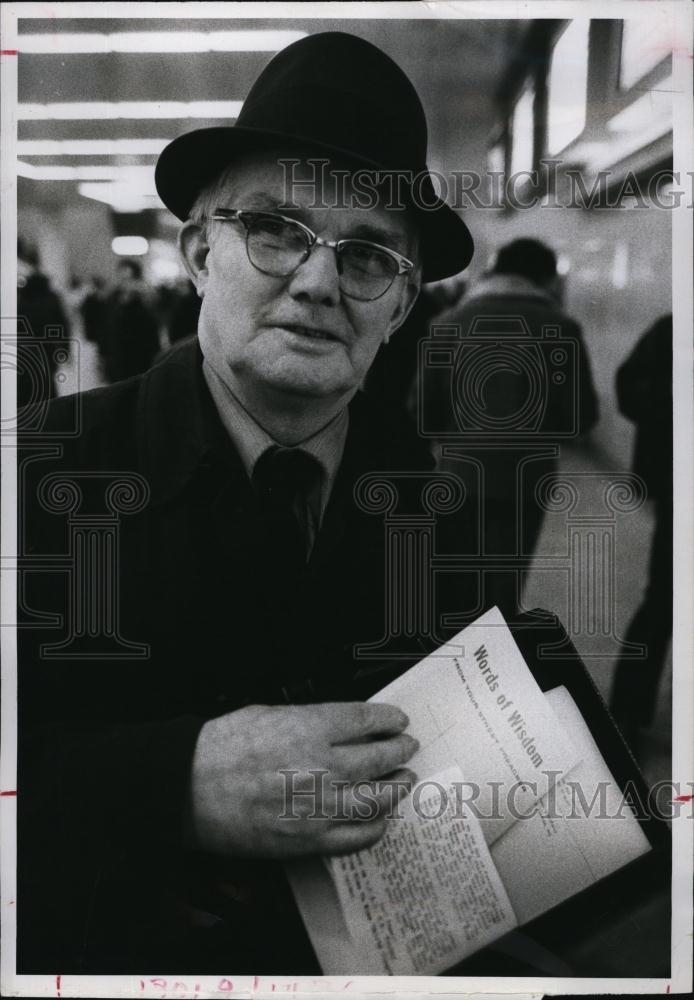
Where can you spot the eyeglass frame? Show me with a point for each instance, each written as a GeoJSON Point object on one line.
{"type": "Point", "coordinates": [405, 265]}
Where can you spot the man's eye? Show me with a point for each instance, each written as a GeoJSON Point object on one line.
{"type": "Point", "coordinates": [271, 227]}
{"type": "Point", "coordinates": [278, 233]}
{"type": "Point", "coordinates": [359, 252]}
{"type": "Point", "coordinates": [368, 259]}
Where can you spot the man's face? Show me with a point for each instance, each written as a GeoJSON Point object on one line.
{"type": "Point", "coordinates": [296, 335]}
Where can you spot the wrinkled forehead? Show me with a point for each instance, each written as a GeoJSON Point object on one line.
{"type": "Point", "coordinates": [318, 188]}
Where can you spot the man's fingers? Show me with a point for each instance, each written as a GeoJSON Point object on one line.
{"type": "Point", "coordinates": [345, 838]}
{"type": "Point", "coordinates": [364, 761]}
{"type": "Point", "coordinates": [350, 722]}
{"type": "Point", "coordinates": [404, 779]}
{"type": "Point", "coordinates": [367, 808]}
{"type": "Point", "coordinates": [366, 800]}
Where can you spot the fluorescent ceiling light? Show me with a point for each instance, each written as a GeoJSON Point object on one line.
{"type": "Point", "coordinates": [158, 41]}
{"type": "Point", "coordinates": [567, 86]}
{"type": "Point", "coordinates": [129, 246]}
{"type": "Point", "coordinates": [120, 196]}
{"type": "Point", "coordinates": [652, 109]}
{"type": "Point", "coordinates": [136, 174]}
{"type": "Point", "coordinates": [645, 43]}
{"type": "Point", "coordinates": [563, 264]}
{"type": "Point", "coordinates": [642, 122]}
{"type": "Point", "coordinates": [496, 159]}
{"type": "Point", "coordinates": [522, 130]}
{"type": "Point", "coordinates": [90, 147]}
{"type": "Point", "coordinates": [99, 110]}
{"type": "Point", "coordinates": [601, 155]}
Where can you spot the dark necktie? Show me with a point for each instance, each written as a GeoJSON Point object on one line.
{"type": "Point", "coordinates": [283, 479]}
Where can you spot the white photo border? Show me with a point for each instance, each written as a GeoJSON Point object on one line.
{"type": "Point", "coordinates": [680, 980]}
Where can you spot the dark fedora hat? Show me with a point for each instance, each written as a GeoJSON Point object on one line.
{"type": "Point", "coordinates": [332, 93]}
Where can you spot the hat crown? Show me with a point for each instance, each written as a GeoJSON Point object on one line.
{"type": "Point", "coordinates": [327, 95]}
{"type": "Point", "coordinates": [339, 90]}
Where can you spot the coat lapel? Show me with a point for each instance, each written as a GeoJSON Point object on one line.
{"type": "Point", "coordinates": [184, 450]}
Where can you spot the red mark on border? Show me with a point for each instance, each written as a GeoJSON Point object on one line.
{"type": "Point", "coordinates": [667, 988]}
{"type": "Point", "coordinates": [683, 798]}
{"type": "Point", "coordinates": [9, 52]}
{"type": "Point", "coordinates": [9, 792]}
{"type": "Point", "coordinates": [57, 985]}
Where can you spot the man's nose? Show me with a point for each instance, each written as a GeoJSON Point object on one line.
{"type": "Point", "coordinates": [317, 279]}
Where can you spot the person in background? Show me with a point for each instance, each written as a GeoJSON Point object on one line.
{"type": "Point", "coordinates": [644, 394]}
{"type": "Point", "coordinates": [184, 310]}
{"type": "Point", "coordinates": [391, 380]}
{"type": "Point", "coordinates": [43, 329]}
{"type": "Point", "coordinates": [94, 310]}
{"type": "Point", "coordinates": [73, 298]}
{"type": "Point", "coordinates": [513, 414]}
{"type": "Point", "coordinates": [131, 340]}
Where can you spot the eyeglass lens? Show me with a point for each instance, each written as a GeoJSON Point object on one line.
{"type": "Point", "coordinates": [277, 247]}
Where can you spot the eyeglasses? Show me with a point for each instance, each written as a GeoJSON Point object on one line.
{"type": "Point", "coordinates": [277, 246]}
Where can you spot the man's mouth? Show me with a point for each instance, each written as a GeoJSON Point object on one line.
{"type": "Point", "coordinates": [314, 333]}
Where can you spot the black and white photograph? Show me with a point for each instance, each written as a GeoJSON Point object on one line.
{"type": "Point", "coordinates": [347, 548]}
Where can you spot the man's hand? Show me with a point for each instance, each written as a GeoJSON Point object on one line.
{"type": "Point", "coordinates": [251, 767]}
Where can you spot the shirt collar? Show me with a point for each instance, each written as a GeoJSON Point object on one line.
{"type": "Point", "coordinates": [252, 440]}
{"type": "Point", "coordinates": [178, 429]}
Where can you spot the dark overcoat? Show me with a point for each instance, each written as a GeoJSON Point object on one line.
{"type": "Point", "coordinates": [140, 532]}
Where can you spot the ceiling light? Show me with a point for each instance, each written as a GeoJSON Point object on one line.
{"type": "Point", "coordinates": [563, 265]}
{"type": "Point", "coordinates": [120, 196]}
{"type": "Point", "coordinates": [522, 132]}
{"type": "Point", "coordinates": [129, 246]}
{"type": "Point", "coordinates": [157, 41]}
{"type": "Point", "coordinates": [567, 86]}
{"type": "Point", "coordinates": [87, 110]}
{"type": "Point", "coordinates": [135, 174]}
{"type": "Point", "coordinates": [90, 147]}
{"type": "Point", "coordinates": [645, 43]}
{"type": "Point", "coordinates": [654, 108]}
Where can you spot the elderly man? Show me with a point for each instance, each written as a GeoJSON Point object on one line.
{"type": "Point", "coordinates": [153, 769]}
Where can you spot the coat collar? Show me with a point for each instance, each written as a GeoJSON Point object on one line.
{"type": "Point", "coordinates": [505, 285]}
{"type": "Point", "coordinates": [179, 430]}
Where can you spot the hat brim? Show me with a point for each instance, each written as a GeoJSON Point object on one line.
{"type": "Point", "coordinates": [190, 162]}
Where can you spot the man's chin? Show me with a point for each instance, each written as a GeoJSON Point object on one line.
{"type": "Point", "coordinates": [309, 386]}
{"type": "Point", "coordinates": [290, 380]}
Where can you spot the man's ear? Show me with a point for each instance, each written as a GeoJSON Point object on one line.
{"type": "Point", "coordinates": [403, 307]}
{"type": "Point", "coordinates": [194, 248]}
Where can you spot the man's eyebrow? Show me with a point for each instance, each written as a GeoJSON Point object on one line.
{"type": "Point", "coordinates": [374, 232]}
{"type": "Point", "coordinates": [379, 234]}
{"type": "Point", "coordinates": [260, 200]}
